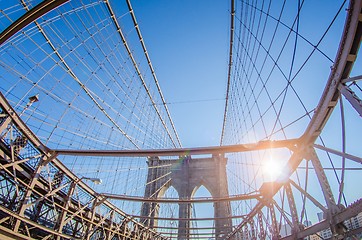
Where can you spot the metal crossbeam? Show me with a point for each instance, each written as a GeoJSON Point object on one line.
{"type": "Point", "coordinates": [353, 99]}
{"type": "Point", "coordinates": [248, 147]}
{"type": "Point", "coordinates": [344, 215]}
{"type": "Point", "coordinates": [182, 200]}
{"type": "Point", "coordinates": [30, 16]}
{"type": "Point", "coordinates": [188, 219]}
{"type": "Point", "coordinates": [345, 155]}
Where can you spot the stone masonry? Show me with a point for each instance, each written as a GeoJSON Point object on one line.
{"type": "Point", "coordinates": [186, 175]}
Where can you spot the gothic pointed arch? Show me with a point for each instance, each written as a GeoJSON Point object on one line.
{"type": "Point", "coordinates": [186, 175]}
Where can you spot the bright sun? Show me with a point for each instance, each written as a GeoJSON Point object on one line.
{"type": "Point", "coordinates": [272, 169]}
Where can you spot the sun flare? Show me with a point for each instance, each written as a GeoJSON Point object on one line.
{"type": "Point", "coordinates": [272, 169]}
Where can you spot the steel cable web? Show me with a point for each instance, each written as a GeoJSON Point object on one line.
{"type": "Point", "coordinates": [95, 90]}
{"type": "Point", "coordinates": [273, 89]}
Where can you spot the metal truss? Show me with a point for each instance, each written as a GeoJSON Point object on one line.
{"type": "Point", "coordinates": [335, 215]}
{"type": "Point", "coordinates": [41, 198]}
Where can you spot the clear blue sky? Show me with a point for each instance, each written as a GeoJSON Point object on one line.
{"type": "Point", "coordinates": [188, 42]}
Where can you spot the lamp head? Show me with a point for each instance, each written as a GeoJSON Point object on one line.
{"type": "Point", "coordinates": [34, 98]}
{"type": "Point", "coordinates": [94, 180]}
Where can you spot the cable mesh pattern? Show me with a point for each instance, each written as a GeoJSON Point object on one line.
{"type": "Point", "coordinates": [281, 58]}
{"type": "Point", "coordinates": [96, 89]}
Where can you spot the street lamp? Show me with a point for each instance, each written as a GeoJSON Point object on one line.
{"type": "Point", "coordinates": [94, 180]}
{"type": "Point", "coordinates": [32, 100]}
{"type": "Point", "coordinates": [21, 140]}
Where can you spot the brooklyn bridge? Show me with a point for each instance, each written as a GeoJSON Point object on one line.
{"type": "Point", "coordinates": [181, 120]}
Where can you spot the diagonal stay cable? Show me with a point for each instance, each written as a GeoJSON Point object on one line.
{"type": "Point", "coordinates": [152, 70]}
{"type": "Point", "coordinates": [319, 119]}
{"type": "Point", "coordinates": [291, 29]}
{"type": "Point", "coordinates": [291, 65]}
{"type": "Point", "coordinates": [119, 30]}
{"type": "Point", "coordinates": [72, 74]}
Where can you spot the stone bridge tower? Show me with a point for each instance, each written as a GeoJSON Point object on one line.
{"type": "Point", "coordinates": [186, 175]}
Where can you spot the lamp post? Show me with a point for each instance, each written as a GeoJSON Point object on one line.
{"type": "Point", "coordinates": [94, 180]}
{"type": "Point", "coordinates": [32, 100]}
{"type": "Point", "coordinates": [20, 141]}
{"type": "Point", "coordinates": [6, 120]}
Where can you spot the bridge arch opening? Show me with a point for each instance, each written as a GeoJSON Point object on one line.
{"type": "Point", "coordinates": [168, 210]}
{"type": "Point", "coordinates": [202, 210]}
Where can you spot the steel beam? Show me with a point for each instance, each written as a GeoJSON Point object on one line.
{"type": "Point", "coordinates": [61, 219]}
{"type": "Point", "coordinates": [312, 199]}
{"type": "Point", "coordinates": [8, 234]}
{"type": "Point", "coordinates": [352, 79]}
{"type": "Point", "coordinates": [262, 145]}
{"type": "Point", "coordinates": [189, 219]}
{"type": "Point", "coordinates": [190, 228]}
{"type": "Point", "coordinates": [284, 215]}
{"type": "Point", "coordinates": [262, 233]}
{"type": "Point", "coordinates": [34, 224]}
{"type": "Point", "coordinates": [352, 98]}
{"type": "Point", "coordinates": [109, 233]}
{"type": "Point", "coordinates": [292, 207]}
{"type": "Point", "coordinates": [345, 155]}
{"type": "Point", "coordinates": [102, 219]}
{"type": "Point", "coordinates": [346, 214]}
{"type": "Point", "coordinates": [344, 60]}
{"type": "Point", "coordinates": [51, 193]}
{"type": "Point", "coordinates": [33, 181]}
{"type": "Point", "coordinates": [90, 225]}
{"type": "Point", "coordinates": [323, 182]}
{"type": "Point", "coordinates": [30, 16]}
{"type": "Point", "coordinates": [183, 200]}
{"type": "Point", "coordinates": [252, 226]}
{"type": "Point", "coordinates": [275, 230]}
